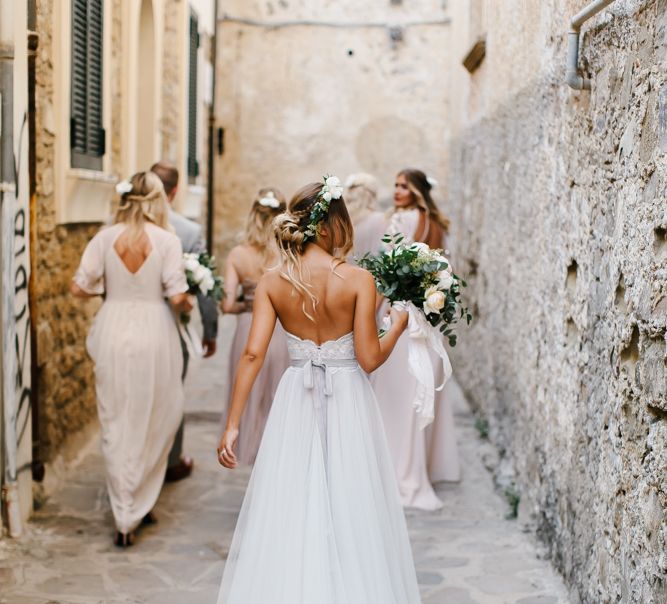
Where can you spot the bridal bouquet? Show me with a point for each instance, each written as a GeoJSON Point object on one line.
{"type": "Point", "coordinates": [421, 279]}
{"type": "Point", "coordinates": [415, 273]}
{"type": "Point", "coordinates": [201, 276]}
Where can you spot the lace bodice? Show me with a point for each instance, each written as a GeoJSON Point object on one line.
{"type": "Point", "coordinates": [332, 350]}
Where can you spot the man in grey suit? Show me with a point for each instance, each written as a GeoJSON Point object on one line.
{"type": "Point", "coordinates": [190, 234]}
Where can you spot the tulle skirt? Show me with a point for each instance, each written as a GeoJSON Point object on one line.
{"type": "Point", "coordinates": [321, 522]}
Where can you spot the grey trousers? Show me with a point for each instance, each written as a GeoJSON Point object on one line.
{"type": "Point", "coordinates": [177, 448]}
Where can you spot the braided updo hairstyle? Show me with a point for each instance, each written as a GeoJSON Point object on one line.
{"type": "Point", "coordinates": [145, 202]}
{"type": "Point", "coordinates": [290, 232]}
{"type": "Point", "coordinates": [258, 229]}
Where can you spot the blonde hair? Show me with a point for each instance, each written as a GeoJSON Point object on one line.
{"type": "Point", "coordinates": [259, 225]}
{"type": "Point", "coordinates": [361, 191]}
{"type": "Point", "coordinates": [145, 202]}
{"type": "Point", "coordinates": [290, 232]}
{"type": "Point", "coordinates": [420, 187]}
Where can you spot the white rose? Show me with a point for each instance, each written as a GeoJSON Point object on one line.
{"type": "Point", "coordinates": [333, 182]}
{"type": "Point", "coordinates": [327, 196]}
{"type": "Point", "coordinates": [200, 273]}
{"type": "Point", "coordinates": [421, 248]}
{"type": "Point", "coordinates": [435, 300]}
{"type": "Point", "coordinates": [207, 284]}
{"type": "Point", "coordinates": [191, 262]}
{"type": "Point", "coordinates": [445, 279]}
{"type": "Point", "coordinates": [337, 192]}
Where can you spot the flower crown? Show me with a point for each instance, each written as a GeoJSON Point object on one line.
{"type": "Point", "coordinates": [332, 189]}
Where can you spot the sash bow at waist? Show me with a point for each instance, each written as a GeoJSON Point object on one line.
{"type": "Point", "coordinates": [325, 365]}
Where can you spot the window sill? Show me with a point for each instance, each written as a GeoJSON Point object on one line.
{"type": "Point", "coordinates": [87, 196]}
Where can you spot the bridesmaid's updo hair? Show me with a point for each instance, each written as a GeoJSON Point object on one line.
{"type": "Point", "coordinates": [290, 232]}
{"type": "Point", "coordinates": [268, 203]}
{"type": "Point", "coordinates": [420, 188]}
{"type": "Point", "coordinates": [144, 202]}
{"type": "Point", "coordinates": [361, 195]}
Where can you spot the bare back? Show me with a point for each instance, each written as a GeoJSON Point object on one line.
{"type": "Point", "coordinates": [336, 290]}
{"type": "Point", "coordinates": [247, 262]}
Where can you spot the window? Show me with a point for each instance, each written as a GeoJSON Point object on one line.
{"type": "Point", "coordinates": [193, 164]}
{"type": "Point", "coordinates": [87, 136]}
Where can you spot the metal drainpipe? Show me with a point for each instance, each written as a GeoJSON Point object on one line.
{"type": "Point", "coordinates": [8, 199]}
{"type": "Point", "coordinates": [573, 78]}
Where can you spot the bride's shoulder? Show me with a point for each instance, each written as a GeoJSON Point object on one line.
{"type": "Point", "coordinates": [356, 274]}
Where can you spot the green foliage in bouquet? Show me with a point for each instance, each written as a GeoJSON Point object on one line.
{"type": "Point", "coordinates": [200, 272]}
{"type": "Point", "coordinates": [412, 272]}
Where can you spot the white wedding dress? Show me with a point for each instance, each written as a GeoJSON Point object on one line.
{"type": "Point", "coordinates": [321, 522]}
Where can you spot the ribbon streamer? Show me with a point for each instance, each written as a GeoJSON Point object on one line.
{"type": "Point", "coordinates": [422, 336]}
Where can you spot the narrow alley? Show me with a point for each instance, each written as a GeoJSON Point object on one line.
{"type": "Point", "coordinates": [467, 553]}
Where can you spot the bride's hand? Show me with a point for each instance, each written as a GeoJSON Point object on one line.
{"type": "Point", "coordinates": [226, 455]}
{"type": "Point", "coordinates": [399, 317]}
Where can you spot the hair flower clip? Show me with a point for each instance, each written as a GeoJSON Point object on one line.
{"type": "Point", "coordinates": [123, 187]}
{"type": "Point", "coordinates": [432, 181]}
{"type": "Point", "coordinates": [269, 201]}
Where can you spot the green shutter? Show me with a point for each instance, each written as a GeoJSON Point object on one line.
{"type": "Point", "coordinates": [193, 165]}
{"type": "Point", "coordinates": [87, 138]}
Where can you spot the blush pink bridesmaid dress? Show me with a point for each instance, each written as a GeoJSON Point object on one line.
{"type": "Point", "coordinates": [420, 457]}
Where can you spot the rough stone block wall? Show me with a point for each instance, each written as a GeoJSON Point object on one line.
{"type": "Point", "coordinates": [559, 206]}
{"type": "Point", "coordinates": [66, 392]}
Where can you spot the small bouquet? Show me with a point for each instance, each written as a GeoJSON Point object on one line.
{"type": "Point", "coordinates": [201, 276]}
{"type": "Point", "coordinates": [421, 279]}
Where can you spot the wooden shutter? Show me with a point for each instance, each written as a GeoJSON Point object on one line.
{"type": "Point", "coordinates": [87, 137]}
{"type": "Point", "coordinates": [193, 165]}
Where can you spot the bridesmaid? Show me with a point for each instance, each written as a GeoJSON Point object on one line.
{"type": "Point", "coordinates": [134, 343]}
{"type": "Point", "coordinates": [246, 263]}
{"type": "Point", "coordinates": [420, 456]}
{"type": "Point", "coordinates": [361, 192]}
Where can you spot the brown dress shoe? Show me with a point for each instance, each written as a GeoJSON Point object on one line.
{"type": "Point", "coordinates": [181, 470]}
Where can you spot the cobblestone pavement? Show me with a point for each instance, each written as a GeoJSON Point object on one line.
{"type": "Point", "coordinates": [466, 553]}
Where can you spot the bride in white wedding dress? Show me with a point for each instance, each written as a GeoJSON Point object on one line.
{"type": "Point", "coordinates": [321, 522]}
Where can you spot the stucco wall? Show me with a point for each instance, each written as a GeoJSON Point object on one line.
{"type": "Point", "coordinates": [312, 87]}
{"type": "Point", "coordinates": [558, 200]}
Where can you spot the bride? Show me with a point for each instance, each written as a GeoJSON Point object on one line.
{"type": "Point", "coordinates": [321, 521]}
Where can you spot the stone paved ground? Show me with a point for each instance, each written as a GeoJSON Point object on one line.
{"type": "Point", "coordinates": [466, 553]}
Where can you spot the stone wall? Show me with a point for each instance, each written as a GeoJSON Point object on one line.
{"type": "Point", "coordinates": [559, 220]}
{"type": "Point", "coordinates": [312, 87]}
{"type": "Point", "coordinates": [66, 393]}
{"type": "Point", "coordinates": [66, 388]}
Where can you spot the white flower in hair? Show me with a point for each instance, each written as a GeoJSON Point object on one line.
{"type": "Point", "coordinates": [332, 185]}
{"type": "Point", "coordinates": [124, 186]}
{"type": "Point", "coordinates": [269, 201]}
{"type": "Point", "coordinates": [432, 181]}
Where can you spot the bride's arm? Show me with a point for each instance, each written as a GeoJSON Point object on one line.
{"type": "Point", "coordinates": [372, 351]}
{"type": "Point", "coordinates": [252, 358]}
